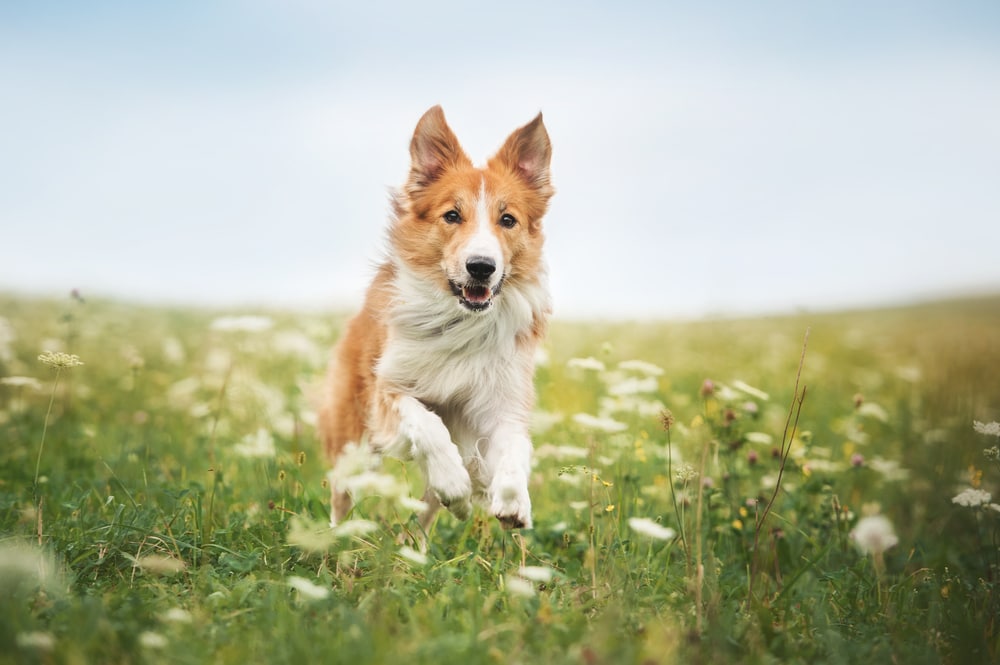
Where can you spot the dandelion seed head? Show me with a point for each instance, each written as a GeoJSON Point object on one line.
{"type": "Point", "coordinates": [874, 534]}
{"type": "Point", "coordinates": [60, 360]}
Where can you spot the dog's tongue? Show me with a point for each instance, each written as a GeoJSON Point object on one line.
{"type": "Point", "coordinates": [476, 294]}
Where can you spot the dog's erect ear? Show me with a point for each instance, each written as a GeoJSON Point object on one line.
{"type": "Point", "coordinates": [527, 153]}
{"type": "Point", "coordinates": [433, 149]}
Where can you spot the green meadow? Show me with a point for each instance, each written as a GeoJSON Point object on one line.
{"type": "Point", "coordinates": [817, 488]}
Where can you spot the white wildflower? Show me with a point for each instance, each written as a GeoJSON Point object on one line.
{"type": "Point", "coordinates": [258, 445]}
{"type": "Point", "coordinates": [608, 425]}
{"type": "Point", "coordinates": [640, 367]}
{"type": "Point", "coordinates": [412, 555]}
{"type": "Point", "coordinates": [310, 536]}
{"type": "Point", "coordinates": [750, 390]}
{"type": "Point", "coordinates": [874, 535]}
{"type": "Point", "coordinates": [519, 586]}
{"type": "Point", "coordinates": [173, 350]}
{"type": "Point", "coordinates": [890, 469]}
{"type": "Point", "coordinates": [760, 438]}
{"type": "Point", "coordinates": [354, 528]}
{"type": "Point", "coordinates": [633, 386]}
{"type": "Point", "coordinates": [650, 528]}
{"type": "Point", "coordinates": [542, 421]}
{"type": "Point", "coordinates": [408, 502]}
{"type": "Point", "coordinates": [989, 429]}
{"type": "Point", "coordinates": [579, 505]}
{"type": "Point", "coordinates": [873, 410]}
{"type": "Point", "coordinates": [373, 483]}
{"type": "Point", "coordinates": [561, 452]}
{"type": "Point", "coordinates": [60, 360]}
{"type": "Point", "coordinates": [176, 615]}
{"type": "Point", "coordinates": [354, 459]}
{"type": "Point", "coordinates": [160, 564]}
{"type": "Point", "coordinates": [21, 382]}
{"type": "Point", "coordinates": [36, 640]}
{"type": "Point", "coordinates": [152, 640]}
{"type": "Point", "coordinates": [540, 574]}
{"type": "Point", "coordinates": [972, 498]}
{"type": "Point", "coordinates": [307, 590]}
{"type": "Point", "coordinates": [296, 343]}
{"type": "Point", "coordinates": [686, 472]}
{"type": "Point", "coordinates": [242, 324]}
{"type": "Point", "coordinates": [587, 364]}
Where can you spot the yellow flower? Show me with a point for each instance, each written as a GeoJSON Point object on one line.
{"type": "Point", "coordinates": [738, 525]}
{"type": "Point", "coordinates": [60, 360]}
{"type": "Point", "coordinates": [610, 508]}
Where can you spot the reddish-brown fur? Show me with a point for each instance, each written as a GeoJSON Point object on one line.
{"type": "Point", "coordinates": [442, 178]}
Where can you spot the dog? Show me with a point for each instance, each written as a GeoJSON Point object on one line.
{"type": "Point", "coordinates": [438, 366]}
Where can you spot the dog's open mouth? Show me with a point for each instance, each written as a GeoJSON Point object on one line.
{"type": "Point", "coordinates": [475, 296]}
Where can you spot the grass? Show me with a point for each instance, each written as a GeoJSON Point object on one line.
{"type": "Point", "coordinates": [168, 505]}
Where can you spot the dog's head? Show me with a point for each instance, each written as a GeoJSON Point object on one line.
{"type": "Point", "coordinates": [473, 230]}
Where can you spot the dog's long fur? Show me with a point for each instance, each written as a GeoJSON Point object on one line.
{"type": "Point", "coordinates": [438, 365]}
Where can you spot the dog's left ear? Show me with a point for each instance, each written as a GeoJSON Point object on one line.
{"type": "Point", "coordinates": [527, 152]}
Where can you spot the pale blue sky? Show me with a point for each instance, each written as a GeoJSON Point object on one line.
{"type": "Point", "coordinates": [738, 158]}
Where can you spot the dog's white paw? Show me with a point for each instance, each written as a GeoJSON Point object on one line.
{"type": "Point", "coordinates": [450, 482]}
{"type": "Point", "coordinates": [510, 502]}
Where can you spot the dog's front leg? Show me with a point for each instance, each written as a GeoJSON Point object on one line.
{"type": "Point", "coordinates": [509, 459]}
{"type": "Point", "coordinates": [408, 430]}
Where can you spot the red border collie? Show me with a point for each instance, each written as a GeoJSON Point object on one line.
{"type": "Point", "coordinates": [438, 365]}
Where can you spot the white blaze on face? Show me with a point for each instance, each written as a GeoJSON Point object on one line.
{"type": "Point", "coordinates": [484, 242]}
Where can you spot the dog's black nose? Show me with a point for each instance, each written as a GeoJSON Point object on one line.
{"type": "Point", "coordinates": [481, 267]}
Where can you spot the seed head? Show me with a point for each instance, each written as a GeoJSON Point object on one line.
{"type": "Point", "coordinates": [666, 419]}
{"type": "Point", "coordinates": [60, 360]}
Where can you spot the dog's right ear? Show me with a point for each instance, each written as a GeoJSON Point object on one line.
{"type": "Point", "coordinates": [434, 149]}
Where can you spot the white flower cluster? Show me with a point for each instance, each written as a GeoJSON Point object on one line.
{"type": "Point", "coordinates": [989, 429]}
{"type": "Point", "coordinates": [972, 498]}
{"type": "Point", "coordinates": [651, 529]}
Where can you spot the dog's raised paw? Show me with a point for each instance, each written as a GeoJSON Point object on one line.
{"type": "Point", "coordinates": [453, 489]}
{"type": "Point", "coordinates": [511, 503]}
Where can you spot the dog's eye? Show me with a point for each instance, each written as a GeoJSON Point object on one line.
{"type": "Point", "coordinates": [452, 217]}
{"type": "Point", "coordinates": [508, 221]}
